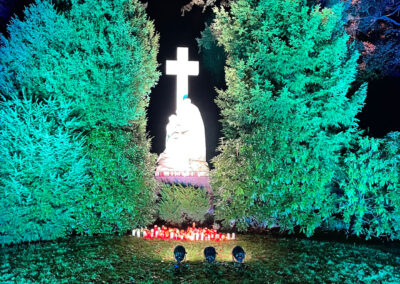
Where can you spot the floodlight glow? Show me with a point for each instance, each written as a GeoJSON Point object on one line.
{"type": "Point", "coordinates": [182, 68]}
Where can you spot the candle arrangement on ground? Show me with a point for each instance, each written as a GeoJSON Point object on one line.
{"type": "Point", "coordinates": [190, 234]}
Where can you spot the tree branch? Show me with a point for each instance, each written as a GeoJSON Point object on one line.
{"type": "Point", "coordinates": [388, 19]}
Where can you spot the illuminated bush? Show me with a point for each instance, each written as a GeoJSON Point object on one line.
{"type": "Point", "coordinates": [371, 201]}
{"type": "Point", "coordinates": [104, 67]}
{"type": "Point", "coordinates": [180, 203]}
{"type": "Point", "coordinates": [288, 112]}
{"type": "Point", "coordinates": [43, 172]}
{"type": "Point", "coordinates": [117, 68]}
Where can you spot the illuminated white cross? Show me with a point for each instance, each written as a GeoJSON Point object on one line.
{"type": "Point", "coordinates": [182, 68]}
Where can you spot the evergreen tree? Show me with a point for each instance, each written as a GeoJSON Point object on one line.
{"type": "Point", "coordinates": [371, 187]}
{"type": "Point", "coordinates": [43, 170]}
{"type": "Point", "coordinates": [34, 58]}
{"type": "Point", "coordinates": [288, 111]}
{"type": "Point", "coordinates": [97, 62]}
{"type": "Point", "coordinates": [117, 53]}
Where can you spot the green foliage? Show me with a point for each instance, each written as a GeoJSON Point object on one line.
{"type": "Point", "coordinates": [117, 61]}
{"type": "Point", "coordinates": [104, 66]}
{"type": "Point", "coordinates": [120, 197]}
{"type": "Point", "coordinates": [43, 171]}
{"type": "Point", "coordinates": [183, 203]}
{"type": "Point", "coordinates": [124, 259]}
{"type": "Point", "coordinates": [371, 201]}
{"type": "Point", "coordinates": [213, 57]}
{"type": "Point", "coordinates": [287, 112]}
{"type": "Point", "coordinates": [38, 57]}
{"type": "Point", "coordinates": [118, 49]}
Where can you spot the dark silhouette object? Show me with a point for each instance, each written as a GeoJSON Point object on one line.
{"type": "Point", "coordinates": [210, 254]}
{"type": "Point", "coordinates": [238, 254]}
{"type": "Point", "coordinates": [179, 253]}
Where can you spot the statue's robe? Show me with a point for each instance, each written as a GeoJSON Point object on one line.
{"type": "Point", "coordinates": [185, 144]}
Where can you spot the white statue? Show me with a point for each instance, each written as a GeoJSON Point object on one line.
{"type": "Point", "coordinates": [185, 146]}
{"type": "Point", "coordinates": [191, 124]}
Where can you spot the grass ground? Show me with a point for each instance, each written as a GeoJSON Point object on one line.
{"type": "Point", "coordinates": [115, 259]}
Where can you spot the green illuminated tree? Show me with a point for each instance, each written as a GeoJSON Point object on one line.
{"type": "Point", "coordinates": [288, 112]}
{"type": "Point", "coordinates": [96, 62]}
{"type": "Point", "coordinates": [117, 67]}
{"type": "Point", "coordinates": [43, 170]}
{"type": "Point", "coordinates": [371, 187]}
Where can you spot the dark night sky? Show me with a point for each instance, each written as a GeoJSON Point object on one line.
{"type": "Point", "coordinates": [379, 116]}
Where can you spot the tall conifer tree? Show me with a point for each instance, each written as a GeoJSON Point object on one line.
{"type": "Point", "coordinates": [117, 50]}
{"type": "Point", "coordinates": [43, 169]}
{"type": "Point", "coordinates": [287, 113]}
{"type": "Point", "coordinates": [97, 59]}
{"type": "Point", "coordinates": [370, 181]}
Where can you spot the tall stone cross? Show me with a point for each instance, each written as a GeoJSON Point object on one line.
{"type": "Point", "coordinates": [182, 68]}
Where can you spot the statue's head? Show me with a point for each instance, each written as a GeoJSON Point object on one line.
{"type": "Point", "coordinates": [186, 99]}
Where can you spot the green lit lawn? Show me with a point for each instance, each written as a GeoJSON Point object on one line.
{"type": "Point", "coordinates": [127, 259]}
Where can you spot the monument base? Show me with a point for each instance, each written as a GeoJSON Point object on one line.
{"type": "Point", "coordinates": [199, 179]}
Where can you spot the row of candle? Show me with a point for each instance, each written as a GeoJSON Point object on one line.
{"type": "Point", "coordinates": [191, 234]}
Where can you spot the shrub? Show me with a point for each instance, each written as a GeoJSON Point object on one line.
{"type": "Point", "coordinates": [371, 201]}
{"type": "Point", "coordinates": [117, 53]}
{"type": "Point", "coordinates": [43, 171]}
{"type": "Point", "coordinates": [287, 113]}
{"type": "Point", "coordinates": [43, 168]}
{"type": "Point", "coordinates": [183, 203]}
{"type": "Point", "coordinates": [104, 67]}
